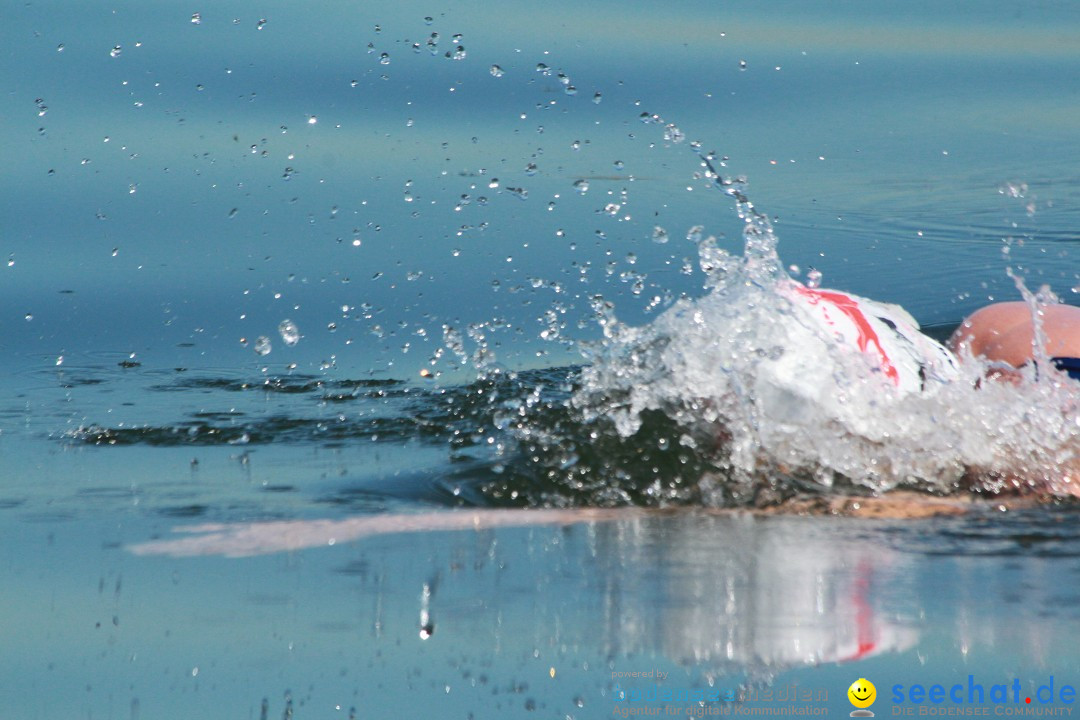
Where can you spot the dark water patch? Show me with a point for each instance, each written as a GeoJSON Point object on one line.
{"type": "Point", "coordinates": [512, 439]}
{"type": "Point", "coordinates": [49, 517]}
{"type": "Point", "coordinates": [209, 416]}
{"type": "Point", "coordinates": [1051, 531]}
{"type": "Point", "coordinates": [275, 429]}
{"type": "Point", "coordinates": [184, 511]}
{"type": "Point", "coordinates": [290, 385]}
{"type": "Point", "coordinates": [461, 415]}
{"type": "Point", "coordinates": [411, 489]}
{"type": "Point", "coordinates": [360, 567]}
{"type": "Point", "coordinates": [74, 381]}
{"type": "Point", "coordinates": [105, 493]}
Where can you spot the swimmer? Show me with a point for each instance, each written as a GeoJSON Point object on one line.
{"type": "Point", "coordinates": [1004, 334]}
{"type": "Point", "coordinates": [1001, 334]}
{"type": "Point", "coordinates": [1001, 337]}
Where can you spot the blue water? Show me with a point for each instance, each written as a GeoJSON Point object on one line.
{"type": "Point", "coordinates": [175, 190]}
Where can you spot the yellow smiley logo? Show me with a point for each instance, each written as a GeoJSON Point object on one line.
{"type": "Point", "coordinates": [862, 693]}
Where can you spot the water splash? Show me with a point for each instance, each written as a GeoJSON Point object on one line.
{"type": "Point", "coordinates": [735, 398]}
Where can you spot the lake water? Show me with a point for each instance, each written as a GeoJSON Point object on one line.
{"type": "Point", "coordinates": [317, 404]}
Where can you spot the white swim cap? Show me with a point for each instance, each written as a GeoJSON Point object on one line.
{"type": "Point", "coordinates": [843, 354]}
{"type": "Point", "coordinates": [887, 334]}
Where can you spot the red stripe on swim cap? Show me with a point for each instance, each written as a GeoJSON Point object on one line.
{"type": "Point", "coordinates": [850, 307]}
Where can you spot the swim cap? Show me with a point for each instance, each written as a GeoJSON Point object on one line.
{"type": "Point", "coordinates": [842, 356]}
{"type": "Point", "coordinates": [886, 334]}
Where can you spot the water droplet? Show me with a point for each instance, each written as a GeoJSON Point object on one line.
{"type": "Point", "coordinates": [289, 332]}
{"type": "Point", "coordinates": [262, 345]}
{"type": "Point", "coordinates": [11, 260]}
{"type": "Point", "coordinates": [596, 98]}
{"type": "Point", "coordinates": [60, 47]}
{"type": "Point", "coordinates": [132, 188]}
{"type": "Point", "coordinates": [29, 317]}
{"type": "Point", "coordinates": [813, 278]}
{"type": "Point", "coordinates": [384, 59]}
{"type": "Point", "coordinates": [530, 169]}
{"type": "Point", "coordinates": [673, 134]}
{"type": "Point", "coordinates": [1014, 190]}
{"type": "Point", "coordinates": [259, 25]}
{"type": "Point", "coordinates": [497, 71]}
{"type": "Point", "coordinates": [312, 120]}
{"type": "Point", "coordinates": [428, 20]}
{"type": "Point", "coordinates": [115, 52]}
{"type": "Point", "coordinates": [196, 18]}
{"type": "Point", "coordinates": [619, 165]}
{"type": "Point", "coordinates": [694, 234]}
{"type": "Point", "coordinates": [742, 64]}
{"type": "Point", "coordinates": [543, 69]}
{"type": "Point", "coordinates": [659, 235]}
{"type": "Point", "coordinates": [494, 183]}
{"type": "Point", "coordinates": [612, 208]}
{"type": "Point", "coordinates": [570, 90]}
{"type": "Point", "coordinates": [41, 106]}
{"type": "Point", "coordinates": [582, 186]}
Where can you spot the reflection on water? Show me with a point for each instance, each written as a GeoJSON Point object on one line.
{"type": "Point", "coordinates": [721, 591]}
{"type": "Point", "coordinates": [541, 608]}
{"type": "Point", "coordinates": [510, 610]}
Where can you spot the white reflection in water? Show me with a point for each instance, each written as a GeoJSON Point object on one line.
{"type": "Point", "coordinates": [722, 590]}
